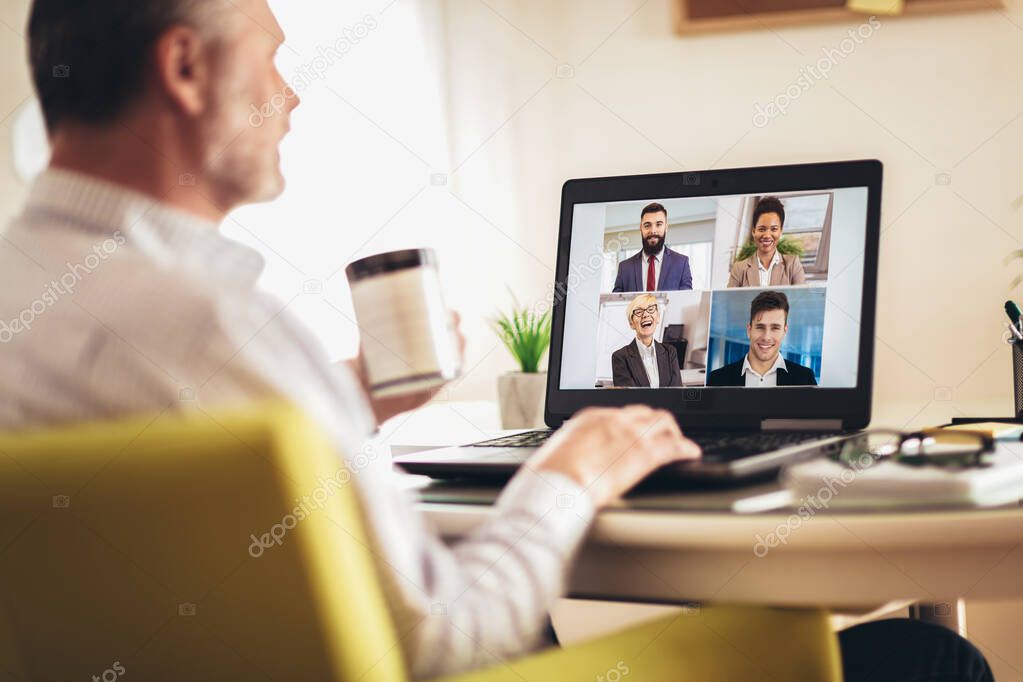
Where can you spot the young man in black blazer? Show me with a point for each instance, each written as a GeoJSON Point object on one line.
{"type": "Point", "coordinates": [764, 366]}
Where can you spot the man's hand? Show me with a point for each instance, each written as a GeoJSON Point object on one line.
{"type": "Point", "coordinates": [385, 408]}
{"type": "Point", "coordinates": [609, 450]}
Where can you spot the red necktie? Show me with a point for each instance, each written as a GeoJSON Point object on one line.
{"type": "Point", "coordinates": [651, 281]}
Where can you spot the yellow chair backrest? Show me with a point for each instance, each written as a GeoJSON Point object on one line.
{"type": "Point", "coordinates": [187, 547]}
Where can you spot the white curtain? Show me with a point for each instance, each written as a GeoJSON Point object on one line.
{"type": "Point", "coordinates": [409, 138]}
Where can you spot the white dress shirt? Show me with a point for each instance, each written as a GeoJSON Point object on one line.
{"type": "Point", "coordinates": [648, 354]}
{"type": "Point", "coordinates": [658, 257]}
{"type": "Point", "coordinates": [114, 304]}
{"type": "Point", "coordinates": [765, 273]}
{"type": "Point", "coordinates": [768, 379]}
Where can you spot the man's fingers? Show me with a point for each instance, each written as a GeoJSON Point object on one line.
{"type": "Point", "coordinates": [609, 450]}
{"type": "Point", "coordinates": [679, 446]}
{"type": "Point", "coordinates": [668, 420]}
{"type": "Point", "coordinates": [636, 412]}
{"type": "Point", "coordinates": [670, 445]}
{"type": "Point", "coordinates": [659, 422]}
{"type": "Point", "coordinates": [456, 323]}
{"type": "Point", "coordinates": [682, 448]}
{"type": "Point", "coordinates": [690, 450]}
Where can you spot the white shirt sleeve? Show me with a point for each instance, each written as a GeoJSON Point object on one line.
{"type": "Point", "coordinates": [482, 600]}
{"type": "Point", "coordinates": [174, 321]}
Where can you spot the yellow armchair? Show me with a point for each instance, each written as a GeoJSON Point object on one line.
{"type": "Point", "coordinates": [230, 547]}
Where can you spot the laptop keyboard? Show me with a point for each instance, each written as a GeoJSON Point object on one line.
{"type": "Point", "coordinates": [529, 439]}
{"type": "Point", "coordinates": [717, 445]}
{"type": "Point", "coordinates": [729, 445]}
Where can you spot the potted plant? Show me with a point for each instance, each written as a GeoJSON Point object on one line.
{"type": "Point", "coordinates": [527, 335]}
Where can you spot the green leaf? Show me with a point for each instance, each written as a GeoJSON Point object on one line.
{"type": "Point", "coordinates": [786, 247]}
{"type": "Point", "coordinates": [526, 334]}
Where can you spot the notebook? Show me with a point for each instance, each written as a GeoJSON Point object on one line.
{"type": "Point", "coordinates": [888, 485]}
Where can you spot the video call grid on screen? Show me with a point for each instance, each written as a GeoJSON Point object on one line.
{"type": "Point", "coordinates": [705, 284]}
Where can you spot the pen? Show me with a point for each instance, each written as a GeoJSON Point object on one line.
{"type": "Point", "coordinates": [1015, 332]}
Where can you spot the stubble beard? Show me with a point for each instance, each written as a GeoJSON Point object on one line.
{"type": "Point", "coordinates": [239, 164]}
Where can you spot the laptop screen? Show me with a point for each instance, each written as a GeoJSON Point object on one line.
{"type": "Point", "coordinates": [734, 291]}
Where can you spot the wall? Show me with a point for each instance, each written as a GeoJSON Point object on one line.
{"type": "Point", "coordinates": [573, 89]}
{"type": "Point", "coordinates": [15, 89]}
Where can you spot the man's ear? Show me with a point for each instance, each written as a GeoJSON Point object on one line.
{"type": "Point", "coordinates": [182, 69]}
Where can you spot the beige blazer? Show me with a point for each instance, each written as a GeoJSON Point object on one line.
{"type": "Point", "coordinates": [745, 273]}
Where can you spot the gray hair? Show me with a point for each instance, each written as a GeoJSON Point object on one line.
{"type": "Point", "coordinates": [89, 57]}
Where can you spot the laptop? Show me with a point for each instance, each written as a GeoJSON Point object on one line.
{"type": "Point", "coordinates": [762, 363]}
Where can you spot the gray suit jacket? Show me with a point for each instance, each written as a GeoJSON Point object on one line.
{"type": "Point", "coordinates": [745, 273]}
{"type": "Point", "coordinates": [627, 367]}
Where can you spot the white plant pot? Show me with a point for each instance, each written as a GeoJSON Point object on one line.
{"type": "Point", "coordinates": [521, 398]}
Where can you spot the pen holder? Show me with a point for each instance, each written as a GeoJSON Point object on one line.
{"type": "Point", "coordinates": [1017, 378]}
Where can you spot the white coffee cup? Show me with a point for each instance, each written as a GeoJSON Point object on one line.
{"type": "Point", "coordinates": [409, 343]}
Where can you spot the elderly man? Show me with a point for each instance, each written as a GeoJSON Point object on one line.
{"type": "Point", "coordinates": [148, 108]}
{"type": "Point", "coordinates": [120, 296]}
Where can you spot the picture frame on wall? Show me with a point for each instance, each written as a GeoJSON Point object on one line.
{"type": "Point", "coordinates": [710, 16]}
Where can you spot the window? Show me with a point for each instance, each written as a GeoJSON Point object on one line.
{"type": "Point", "coordinates": [700, 254]}
{"type": "Point", "coordinates": [29, 144]}
{"type": "Point", "coordinates": [808, 222]}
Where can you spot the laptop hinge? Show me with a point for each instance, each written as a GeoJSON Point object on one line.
{"type": "Point", "coordinates": [801, 425]}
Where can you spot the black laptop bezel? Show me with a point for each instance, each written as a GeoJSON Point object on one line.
{"type": "Point", "coordinates": [726, 407]}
